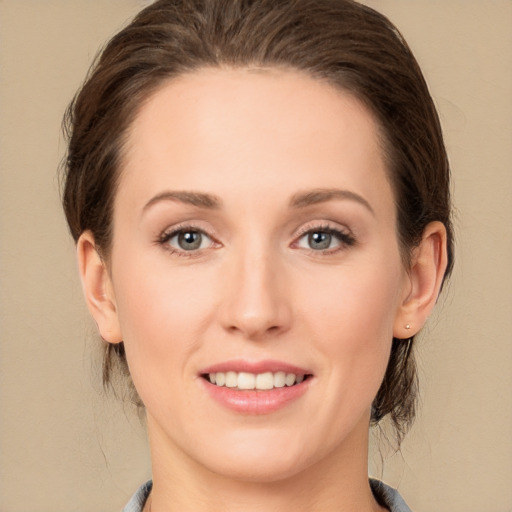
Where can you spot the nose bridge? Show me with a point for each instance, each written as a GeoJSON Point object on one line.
{"type": "Point", "coordinates": [256, 303]}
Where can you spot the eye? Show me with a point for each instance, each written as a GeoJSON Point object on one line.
{"type": "Point", "coordinates": [186, 239]}
{"type": "Point", "coordinates": [320, 240]}
{"type": "Point", "coordinates": [325, 239]}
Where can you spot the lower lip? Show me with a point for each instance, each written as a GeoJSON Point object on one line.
{"type": "Point", "coordinates": [256, 402]}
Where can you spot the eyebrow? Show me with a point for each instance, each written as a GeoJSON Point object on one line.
{"type": "Point", "coordinates": [193, 198]}
{"type": "Point", "coordinates": [321, 195]}
{"type": "Point", "coordinates": [299, 200]}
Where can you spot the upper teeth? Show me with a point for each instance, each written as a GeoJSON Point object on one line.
{"type": "Point", "coordinates": [244, 380]}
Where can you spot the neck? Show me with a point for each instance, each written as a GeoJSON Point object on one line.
{"type": "Point", "coordinates": [336, 483]}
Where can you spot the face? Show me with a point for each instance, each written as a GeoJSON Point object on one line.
{"type": "Point", "coordinates": [255, 271]}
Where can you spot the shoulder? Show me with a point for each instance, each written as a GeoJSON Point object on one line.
{"type": "Point", "coordinates": [388, 497]}
{"type": "Point", "coordinates": [138, 500]}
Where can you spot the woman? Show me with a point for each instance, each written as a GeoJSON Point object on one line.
{"type": "Point", "coordinates": [259, 195]}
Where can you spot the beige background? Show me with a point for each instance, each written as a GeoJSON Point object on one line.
{"type": "Point", "coordinates": [64, 447]}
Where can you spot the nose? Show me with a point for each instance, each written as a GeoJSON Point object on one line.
{"type": "Point", "coordinates": [256, 301]}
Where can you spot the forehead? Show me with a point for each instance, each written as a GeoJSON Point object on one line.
{"type": "Point", "coordinates": [250, 128]}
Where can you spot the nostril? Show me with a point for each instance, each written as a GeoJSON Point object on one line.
{"type": "Point", "coordinates": [255, 330]}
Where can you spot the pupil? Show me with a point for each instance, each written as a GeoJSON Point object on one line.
{"type": "Point", "coordinates": [189, 240]}
{"type": "Point", "coordinates": [320, 240]}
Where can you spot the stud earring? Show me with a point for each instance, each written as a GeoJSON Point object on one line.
{"type": "Point", "coordinates": [407, 326]}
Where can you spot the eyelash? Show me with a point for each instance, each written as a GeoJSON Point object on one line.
{"type": "Point", "coordinates": [345, 238]}
{"type": "Point", "coordinates": [166, 236]}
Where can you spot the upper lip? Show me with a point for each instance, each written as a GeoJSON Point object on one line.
{"type": "Point", "coordinates": [256, 367]}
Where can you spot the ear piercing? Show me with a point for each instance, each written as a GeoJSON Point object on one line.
{"type": "Point", "coordinates": [407, 326]}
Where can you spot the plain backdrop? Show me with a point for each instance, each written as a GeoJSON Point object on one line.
{"type": "Point", "coordinates": [65, 447]}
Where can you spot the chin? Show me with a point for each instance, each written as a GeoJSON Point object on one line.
{"type": "Point", "coordinates": [255, 470]}
{"type": "Point", "coordinates": [259, 458]}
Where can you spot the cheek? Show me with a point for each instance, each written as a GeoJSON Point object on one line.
{"type": "Point", "coordinates": [352, 320]}
{"type": "Point", "coordinates": [161, 316]}
{"type": "Point", "coordinates": [357, 300]}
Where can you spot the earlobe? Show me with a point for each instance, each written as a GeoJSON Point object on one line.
{"type": "Point", "coordinates": [97, 287]}
{"type": "Point", "coordinates": [425, 277]}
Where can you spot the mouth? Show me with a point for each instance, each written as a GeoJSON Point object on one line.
{"type": "Point", "coordinates": [255, 388]}
{"type": "Point", "coordinates": [247, 381]}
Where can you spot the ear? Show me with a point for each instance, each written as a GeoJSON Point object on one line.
{"type": "Point", "coordinates": [424, 281]}
{"type": "Point", "coordinates": [98, 290]}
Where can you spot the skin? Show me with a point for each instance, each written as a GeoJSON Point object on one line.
{"type": "Point", "coordinates": [256, 288]}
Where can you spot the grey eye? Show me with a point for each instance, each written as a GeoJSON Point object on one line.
{"type": "Point", "coordinates": [189, 240]}
{"type": "Point", "coordinates": [324, 239]}
{"type": "Point", "coordinates": [319, 240]}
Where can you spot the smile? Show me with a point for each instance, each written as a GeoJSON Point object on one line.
{"type": "Point", "coordinates": [243, 381]}
{"type": "Point", "coordinates": [255, 388]}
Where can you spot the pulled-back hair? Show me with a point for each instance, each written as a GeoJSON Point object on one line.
{"type": "Point", "coordinates": [349, 45]}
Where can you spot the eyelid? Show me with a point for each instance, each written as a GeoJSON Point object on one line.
{"type": "Point", "coordinates": [345, 236]}
{"type": "Point", "coordinates": [323, 225]}
{"type": "Point", "coordinates": [170, 232]}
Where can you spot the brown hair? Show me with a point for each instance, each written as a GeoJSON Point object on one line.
{"type": "Point", "coordinates": [341, 41]}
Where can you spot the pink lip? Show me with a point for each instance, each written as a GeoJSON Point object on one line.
{"type": "Point", "coordinates": [240, 365]}
{"type": "Point", "coordinates": [252, 401]}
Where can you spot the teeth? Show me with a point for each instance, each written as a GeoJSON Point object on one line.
{"type": "Point", "coordinates": [264, 381]}
{"type": "Point", "coordinates": [290, 379]}
{"type": "Point", "coordinates": [246, 380]}
{"type": "Point", "coordinates": [279, 379]}
{"type": "Point", "coordinates": [220, 379]}
{"type": "Point", "coordinates": [231, 380]}
{"type": "Point", "coordinates": [260, 381]}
